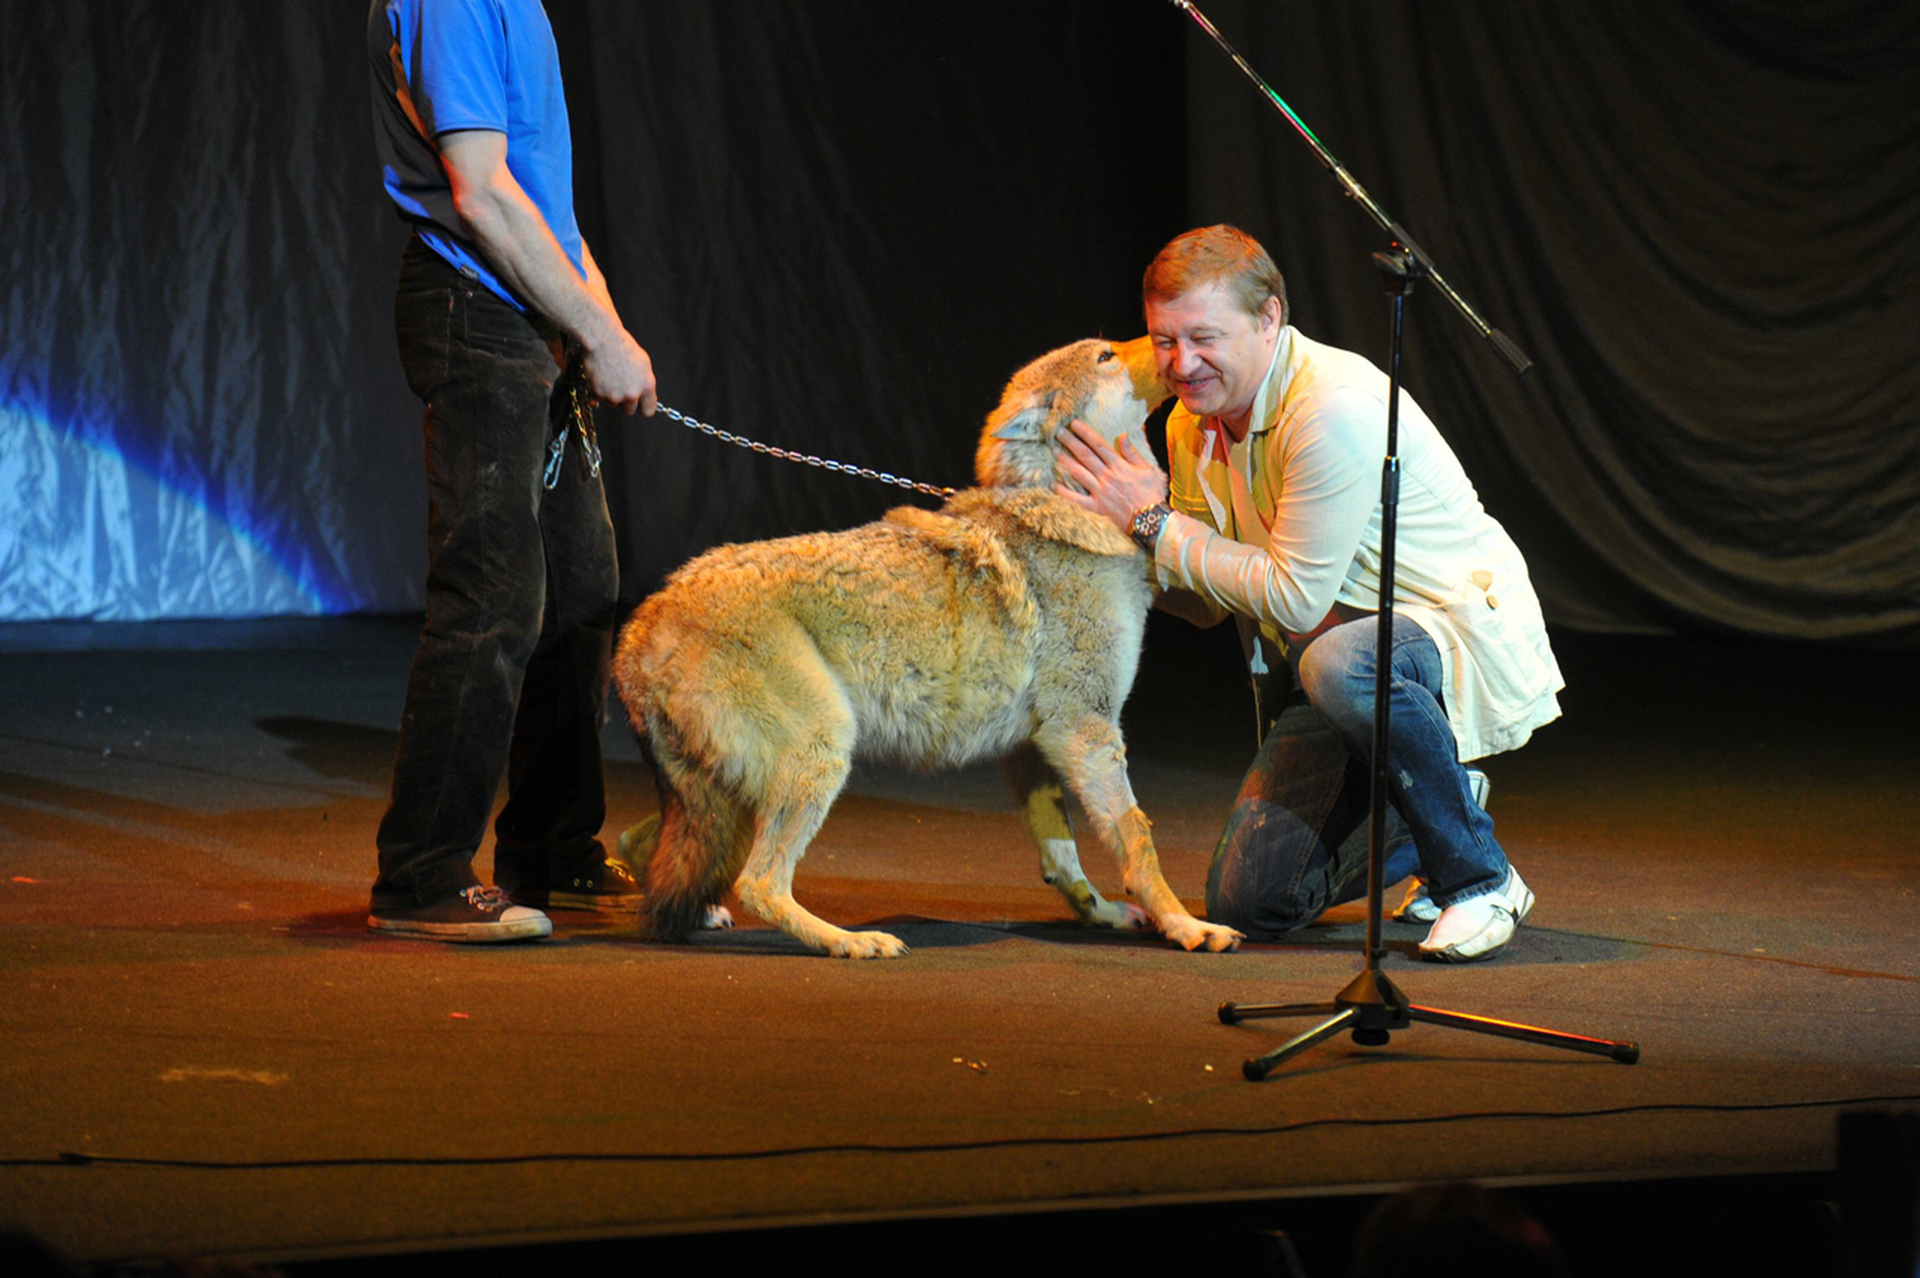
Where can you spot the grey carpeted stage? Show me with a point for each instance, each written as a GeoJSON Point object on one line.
{"type": "Point", "coordinates": [207, 1053]}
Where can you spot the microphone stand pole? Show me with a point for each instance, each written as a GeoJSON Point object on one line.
{"type": "Point", "coordinates": [1371, 1005]}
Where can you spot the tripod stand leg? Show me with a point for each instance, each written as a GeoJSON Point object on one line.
{"type": "Point", "coordinates": [1234, 1013]}
{"type": "Point", "coordinates": [1625, 1053]}
{"type": "Point", "coordinates": [1258, 1067]}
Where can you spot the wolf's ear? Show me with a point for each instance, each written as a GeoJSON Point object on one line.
{"type": "Point", "coordinates": [1030, 424]}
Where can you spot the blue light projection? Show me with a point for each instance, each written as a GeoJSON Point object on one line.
{"type": "Point", "coordinates": [89, 529]}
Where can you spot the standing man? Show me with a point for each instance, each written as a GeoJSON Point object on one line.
{"type": "Point", "coordinates": [498, 296]}
{"type": "Point", "coordinates": [1273, 515]}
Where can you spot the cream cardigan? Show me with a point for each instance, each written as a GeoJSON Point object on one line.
{"type": "Point", "coordinates": [1279, 527]}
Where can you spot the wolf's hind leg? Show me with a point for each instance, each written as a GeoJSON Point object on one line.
{"type": "Point", "coordinates": [1091, 755]}
{"type": "Point", "coordinates": [1042, 802]}
{"type": "Point", "coordinates": [765, 888]}
{"type": "Point", "coordinates": [799, 787]}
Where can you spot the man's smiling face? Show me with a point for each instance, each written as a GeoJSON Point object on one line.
{"type": "Point", "coordinates": [1213, 353]}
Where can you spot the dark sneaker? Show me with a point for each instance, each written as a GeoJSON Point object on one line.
{"type": "Point", "coordinates": [479, 914]}
{"type": "Point", "coordinates": [608, 886]}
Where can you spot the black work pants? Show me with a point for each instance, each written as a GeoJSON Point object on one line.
{"type": "Point", "coordinates": [511, 672]}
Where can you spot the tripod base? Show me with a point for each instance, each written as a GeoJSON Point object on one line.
{"type": "Point", "coordinates": [1373, 1007]}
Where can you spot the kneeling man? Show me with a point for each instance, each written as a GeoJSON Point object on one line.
{"type": "Point", "coordinates": [1273, 516]}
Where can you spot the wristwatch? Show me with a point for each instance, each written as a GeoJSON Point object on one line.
{"type": "Point", "coordinates": [1146, 524]}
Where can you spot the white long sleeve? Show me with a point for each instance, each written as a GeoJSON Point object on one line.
{"type": "Point", "coordinates": [1331, 463]}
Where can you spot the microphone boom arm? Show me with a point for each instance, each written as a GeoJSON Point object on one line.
{"type": "Point", "coordinates": [1512, 354]}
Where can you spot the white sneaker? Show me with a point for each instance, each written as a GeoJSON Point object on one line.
{"type": "Point", "coordinates": [1477, 929]}
{"type": "Point", "coordinates": [1417, 906]}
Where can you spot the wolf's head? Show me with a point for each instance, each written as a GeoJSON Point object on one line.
{"type": "Point", "coordinates": [1111, 386]}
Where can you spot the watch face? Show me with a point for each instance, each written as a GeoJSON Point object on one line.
{"type": "Point", "coordinates": [1146, 524]}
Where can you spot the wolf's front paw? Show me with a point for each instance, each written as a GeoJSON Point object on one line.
{"type": "Point", "coordinates": [718, 918]}
{"type": "Point", "coordinates": [1121, 915]}
{"type": "Point", "coordinates": [1190, 933]}
{"type": "Point", "coordinates": [863, 945]}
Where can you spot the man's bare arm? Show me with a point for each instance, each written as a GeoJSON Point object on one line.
{"type": "Point", "coordinates": [596, 282]}
{"type": "Point", "coordinates": [498, 216]}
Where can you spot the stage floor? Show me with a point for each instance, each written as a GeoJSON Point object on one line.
{"type": "Point", "coordinates": [207, 1053]}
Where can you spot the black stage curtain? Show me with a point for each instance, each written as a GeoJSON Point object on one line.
{"type": "Point", "coordinates": [1701, 219]}
{"type": "Point", "coordinates": [201, 413]}
{"type": "Point", "coordinates": [836, 226]}
{"type": "Point", "coordinates": [839, 224]}
{"type": "Point", "coordinates": [839, 227]}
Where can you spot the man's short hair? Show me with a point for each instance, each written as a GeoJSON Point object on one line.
{"type": "Point", "coordinates": [1210, 253]}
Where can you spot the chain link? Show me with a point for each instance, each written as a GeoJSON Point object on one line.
{"type": "Point", "coordinates": [805, 459]}
{"type": "Point", "coordinates": [571, 409]}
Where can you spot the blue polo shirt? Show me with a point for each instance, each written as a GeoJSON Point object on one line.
{"type": "Point", "coordinates": [440, 66]}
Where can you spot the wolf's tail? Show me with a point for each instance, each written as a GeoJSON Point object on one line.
{"type": "Point", "coordinates": [702, 840]}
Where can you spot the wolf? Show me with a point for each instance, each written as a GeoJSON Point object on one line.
{"type": "Point", "coordinates": [1006, 624]}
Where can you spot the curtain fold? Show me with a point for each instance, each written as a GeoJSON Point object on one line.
{"type": "Point", "coordinates": [198, 414]}
{"type": "Point", "coordinates": [1702, 221]}
{"type": "Point", "coordinates": [838, 229]}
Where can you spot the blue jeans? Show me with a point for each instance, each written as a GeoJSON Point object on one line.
{"type": "Point", "coordinates": [1296, 841]}
{"type": "Point", "coordinates": [511, 673]}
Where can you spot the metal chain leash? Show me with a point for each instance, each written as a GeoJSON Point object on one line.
{"type": "Point", "coordinates": [572, 412]}
{"type": "Point", "coordinates": [805, 459]}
